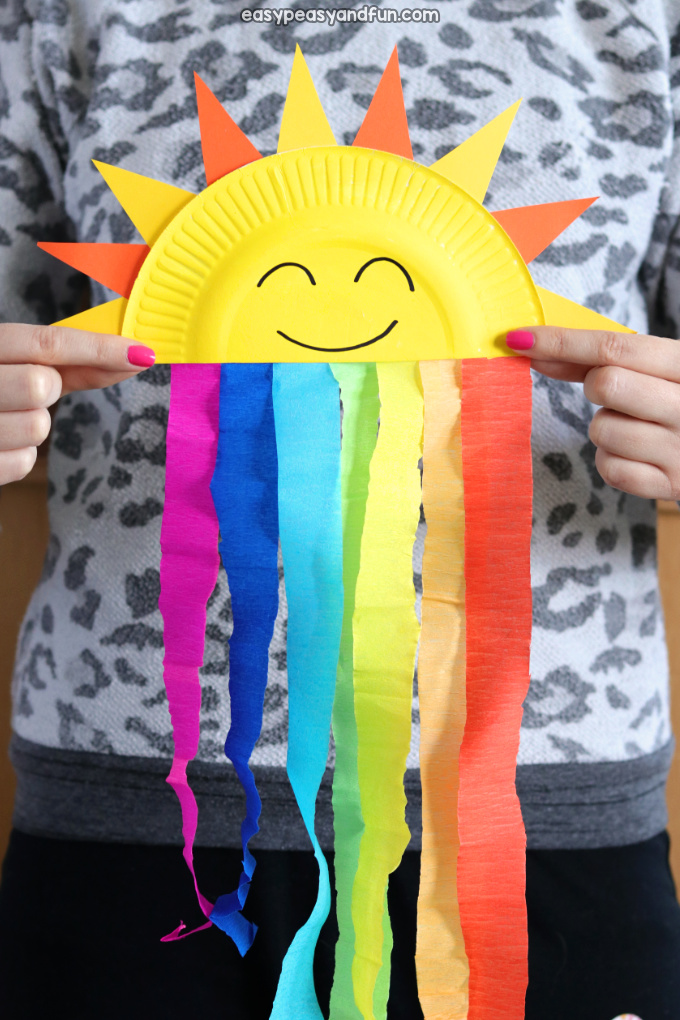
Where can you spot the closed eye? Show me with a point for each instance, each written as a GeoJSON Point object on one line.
{"type": "Point", "coordinates": [384, 258]}
{"type": "Point", "coordinates": [282, 265]}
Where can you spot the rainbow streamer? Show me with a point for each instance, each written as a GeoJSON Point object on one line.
{"type": "Point", "coordinates": [189, 565]}
{"type": "Point", "coordinates": [441, 960]}
{"type": "Point", "coordinates": [385, 640]}
{"type": "Point", "coordinates": [307, 416]}
{"type": "Point", "coordinates": [361, 407]}
{"type": "Point", "coordinates": [245, 492]}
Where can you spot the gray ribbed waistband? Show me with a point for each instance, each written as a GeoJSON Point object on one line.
{"type": "Point", "coordinates": [116, 798]}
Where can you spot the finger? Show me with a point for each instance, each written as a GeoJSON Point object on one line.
{"type": "Point", "coordinates": [633, 439]}
{"type": "Point", "coordinates": [77, 378]}
{"type": "Point", "coordinates": [645, 480]}
{"type": "Point", "coordinates": [650, 355]}
{"type": "Point", "coordinates": [24, 428]}
{"type": "Point", "coordinates": [563, 370]}
{"type": "Point", "coordinates": [59, 345]}
{"type": "Point", "coordinates": [23, 387]}
{"type": "Point", "coordinates": [640, 396]}
{"type": "Point", "coordinates": [16, 464]}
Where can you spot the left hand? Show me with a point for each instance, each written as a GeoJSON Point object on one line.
{"type": "Point", "coordinates": [636, 380]}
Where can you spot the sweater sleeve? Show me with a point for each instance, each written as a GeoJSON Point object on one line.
{"type": "Point", "coordinates": [33, 159]}
{"type": "Point", "coordinates": [659, 276]}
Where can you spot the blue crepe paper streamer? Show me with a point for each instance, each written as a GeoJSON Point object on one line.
{"type": "Point", "coordinates": [244, 490]}
{"type": "Point", "coordinates": [307, 415]}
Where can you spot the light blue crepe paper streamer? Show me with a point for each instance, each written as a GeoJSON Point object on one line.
{"type": "Point", "coordinates": [244, 490]}
{"type": "Point", "coordinates": [307, 416]}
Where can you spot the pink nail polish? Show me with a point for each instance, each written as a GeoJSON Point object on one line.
{"type": "Point", "coordinates": [140, 356]}
{"type": "Point", "coordinates": [520, 339]}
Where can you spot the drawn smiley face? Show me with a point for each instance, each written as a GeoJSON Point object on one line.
{"type": "Point", "coordinates": [357, 278]}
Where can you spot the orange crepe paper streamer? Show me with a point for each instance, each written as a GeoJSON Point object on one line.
{"type": "Point", "coordinates": [533, 227]}
{"type": "Point", "coordinates": [496, 442]}
{"type": "Point", "coordinates": [441, 961]}
{"type": "Point", "coordinates": [114, 265]}
{"type": "Point", "coordinates": [385, 126]}
{"type": "Point", "coordinates": [225, 147]}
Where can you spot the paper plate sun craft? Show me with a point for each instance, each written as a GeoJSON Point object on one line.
{"type": "Point", "coordinates": [292, 282]}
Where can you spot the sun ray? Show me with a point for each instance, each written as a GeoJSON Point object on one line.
{"type": "Point", "coordinates": [472, 163]}
{"type": "Point", "coordinates": [533, 227]}
{"type": "Point", "coordinates": [559, 311]}
{"type": "Point", "coordinates": [106, 318]}
{"type": "Point", "coordinates": [385, 126]}
{"type": "Point", "coordinates": [303, 122]}
{"type": "Point", "coordinates": [150, 204]}
{"type": "Point", "coordinates": [114, 265]}
{"type": "Point", "coordinates": [225, 147]}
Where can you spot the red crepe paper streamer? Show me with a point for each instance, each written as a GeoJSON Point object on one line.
{"type": "Point", "coordinates": [497, 478]}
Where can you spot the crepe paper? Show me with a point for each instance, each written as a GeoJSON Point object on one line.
{"type": "Point", "coordinates": [114, 265]}
{"type": "Point", "coordinates": [245, 492]}
{"type": "Point", "coordinates": [361, 408]}
{"type": "Point", "coordinates": [472, 163]}
{"type": "Point", "coordinates": [307, 417]}
{"type": "Point", "coordinates": [189, 565]}
{"type": "Point", "coordinates": [441, 961]}
{"type": "Point", "coordinates": [224, 145]}
{"type": "Point", "coordinates": [106, 318]}
{"type": "Point", "coordinates": [496, 443]}
{"type": "Point", "coordinates": [150, 204]}
{"type": "Point", "coordinates": [559, 311]}
{"type": "Point", "coordinates": [385, 639]}
{"type": "Point", "coordinates": [534, 227]}
{"type": "Point", "coordinates": [385, 126]}
{"type": "Point", "coordinates": [303, 121]}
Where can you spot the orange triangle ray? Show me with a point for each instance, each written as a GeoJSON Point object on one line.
{"type": "Point", "coordinates": [385, 126]}
{"type": "Point", "coordinates": [114, 265]}
{"type": "Point", "coordinates": [533, 227]}
{"type": "Point", "coordinates": [225, 147]}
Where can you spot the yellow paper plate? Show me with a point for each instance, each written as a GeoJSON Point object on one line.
{"type": "Point", "coordinates": [331, 254]}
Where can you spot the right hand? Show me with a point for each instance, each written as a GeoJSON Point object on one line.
{"type": "Point", "coordinates": [39, 364]}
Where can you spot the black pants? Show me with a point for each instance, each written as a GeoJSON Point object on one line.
{"type": "Point", "coordinates": [80, 925]}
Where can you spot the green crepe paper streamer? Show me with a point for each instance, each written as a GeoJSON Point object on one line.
{"type": "Point", "coordinates": [361, 408]}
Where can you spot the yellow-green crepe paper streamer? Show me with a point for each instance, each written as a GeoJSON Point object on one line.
{"type": "Point", "coordinates": [385, 639]}
{"type": "Point", "coordinates": [361, 408]}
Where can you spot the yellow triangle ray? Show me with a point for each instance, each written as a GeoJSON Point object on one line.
{"type": "Point", "coordinates": [303, 122]}
{"type": "Point", "coordinates": [559, 311]}
{"type": "Point", "coordinates": [105, 318]}
{"type": "Point", "coordinates": [150, 204]}
{"type": "Point", "coordinates": [472, 163]}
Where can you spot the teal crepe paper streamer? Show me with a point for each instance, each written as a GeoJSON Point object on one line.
{"type": "Point", "coordinates": [307, 419]}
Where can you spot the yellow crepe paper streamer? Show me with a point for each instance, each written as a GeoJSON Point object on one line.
{"type": "Point", "coordinates": [441, 962]}
{"type": "Point", "coordinates": [361, 408]}
{"type": "Point", "coordinates": [385, 639]}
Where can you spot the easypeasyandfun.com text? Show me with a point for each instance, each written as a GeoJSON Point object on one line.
{"type": "Point", "coordinates": [341, 15]}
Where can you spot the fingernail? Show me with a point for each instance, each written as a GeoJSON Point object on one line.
{"type": "Point", "coordinates": [140, 356]}
{"type": "Point", "coordinates": [520, 339]}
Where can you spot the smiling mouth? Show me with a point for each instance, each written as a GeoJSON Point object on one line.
{"type": "Point", "coordinates": [354, 347]}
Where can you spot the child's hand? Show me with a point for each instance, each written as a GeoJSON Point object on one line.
{"type": "Point", "coordinates": [40, 363]}
{"type": "Point", "coordinates": [636, 379]}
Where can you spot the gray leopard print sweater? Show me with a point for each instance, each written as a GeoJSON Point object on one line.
{"type": "Point", "coordinates": [113, 80]}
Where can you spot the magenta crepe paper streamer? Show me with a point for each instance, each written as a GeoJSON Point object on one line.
{"type": "Point", "coordinates": [189, 565]}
